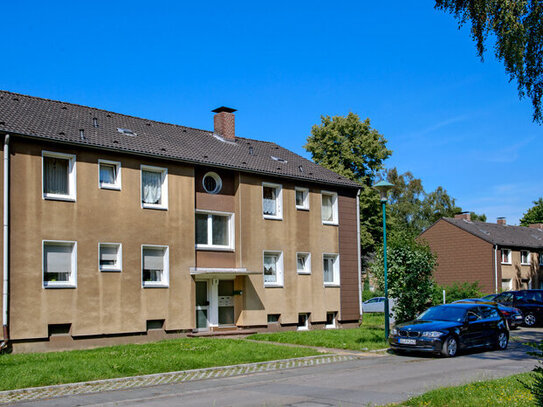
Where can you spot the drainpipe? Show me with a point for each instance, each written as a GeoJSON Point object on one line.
{"type": "Point", "coordinates": [4, 344]}
{"type": "Point", "coordinates": [358, 247]}
{"type": "Point", "coordinates": [496, 268]}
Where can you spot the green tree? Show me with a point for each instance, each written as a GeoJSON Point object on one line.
{"type": "Point", "coordinates": [517, 27]}
{"type": "Point", "coordinates": [534, 214]}
{"type": "Point", "coordinates": [352, 148]}
{"type": "Point", "coordinates": [410, 284]}
{"type": "Point", "coordinates": [477, 218]}
{"type": "Point", "coordinates": [438, 204]}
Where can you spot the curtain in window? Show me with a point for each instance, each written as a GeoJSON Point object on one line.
{"type": "Point", "coordinates": [107, 174]}
{"type": "Point", "coordinates": [327, 214]}
{"type": "Point", "coordinates": [270, 269]}
{"type": "Point", "coordinates": [301, 263]}
{"type": "Point", "coordinates": [152, 187]}
{"type": "Point", "coordinates": [269, 201]}
{"type": "Point", "coordinates": [299, 198]}
{"type": "Point", "coordinates": [55, 175]}
{"type": "Point", "coordinates": [328, 270]}
{"type": "Point", "coordinates": [220, 230]}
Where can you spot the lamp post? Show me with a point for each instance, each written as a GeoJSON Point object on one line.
{"type": "Point", "coordinates": [383, 187]}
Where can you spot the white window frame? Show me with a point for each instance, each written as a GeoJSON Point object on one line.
{"type": "Point", "coordinates": [119, 266]}
{"type": "Point", "coordinates": [279, 269]}
{"type": "Point", "coordinates": [164, 193]}
{"type": "Point", "coordinates": [509, 284]}
{"type": "Point", "coordinates": [231, 231]}
{"type": "Point", "coordinates": [335, 217]}
{"type": "Point", "coordinates": [165, 283]}
{"type": "Point", "coordinates": [217, 179]}
{"type": "Point", "coordinates": [278, 200]}
{"type": "Point", "coordinates": [117, 185]}
{"type": "Point", "coordinates": [335, 282]}
{"type": "Point", "coordinates": [72, 177]}
{"type": "Point", "coordinates": [307, 268]}
{"type": "Point", "coordinates": [305, 204]}
{"type": "Point", "coordinates": [333, 325]}
{"type": "Point", "coordinates": [508, 257]}
{"type": "Point", "coordinates": [306, 326]}
{"type": "Point", "coordinates": [72, 283]}
{"type": "Point", "coordinates": [528, 257]}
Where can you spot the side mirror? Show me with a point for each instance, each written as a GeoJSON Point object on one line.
{"type": "Point", "coordinates": [472, 318]}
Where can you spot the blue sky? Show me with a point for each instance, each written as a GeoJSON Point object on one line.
{"type": "Point", "coordinates": [450, 119]}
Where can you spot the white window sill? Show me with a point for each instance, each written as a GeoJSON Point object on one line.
{"type": "Point", "coordinates": [154, 206]}
{"type": "Point", "coordinates": [110, 186]}
{"type": "Point", "coordinates": [302, 208]}
{"type": "Point", "coordinates": [307, 273]}
{"type": "Point", "coordinates": [273, 217]}
{"type": "Point", "coordinates": [54, 197]}
{"type": "Point", "coordinates": [303, 328]}
{"type": "Point", "coordinates": [330, 223]}
{"type": "Point", "coordinates": [331, 284]}
{"type": "Point", "coordinates": [330, 326]}
{"type": "Point", "coordinates": [508, 264]}
{"type": "Point", "coordinates": [525, 264]}
{"type": "Point", "coordinates": [52, 284]}
{"type": "Point", "coordinates": [148, 284]}
{"type": "Point", "coordinates": [273, 285]}
{"type": "Point", "coordinates": [114, 269]}
{"type": "Point", "coordinates": [215, 248]}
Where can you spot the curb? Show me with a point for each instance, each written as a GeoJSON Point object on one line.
{"type": "Point", "coordinates": [70, 389]}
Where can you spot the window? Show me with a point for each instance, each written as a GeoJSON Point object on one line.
{"type": "Point", "coordinates": [110, 256]}
{"type": "Point", "coordinates": [155, 266]}
{"type": "Point", "coordinates": [212, 183]}
{"type": "Point", "coordinates": [524, 257]}
{"type": "Point", "coordinates": [507, 284]}
{"type": "Point", "coordinates": [214, 231]}
{"type": "Point", "coordinates": [331, 320]}
{"type": "Point", "coordinates": [329, 208]}
{"type": "Point", "coordinates": [302, 198]}
{"type": "Point", "coordinates": [506, 256]}
{"type": "Point", "coordinates": [330, 267]}
{"type": "Point", "coordinates": [154, 187]}
{"type": "Point", "coordinates": [272, 201]}
{"type": "Point", "coordinates": [303, 322]}
{"type": "Point", "coordinates": [58, 177]}
{"type": "Point", "coordinates": [541, 259]}
{"type": "Point", "coordinates": [109, 174]}
{"type": "Point", "coordinates": [59, 264]}
{"type": "Point", "coordinates": [273, 269]}
{"type": "Point", "coordinates": [303, 263]}
{"type": "Point", "coordinates": [273, 318]}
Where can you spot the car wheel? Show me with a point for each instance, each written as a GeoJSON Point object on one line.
{"type": "Point", "coordinates": [450, 347]}
{"type": "Point", "coordinates": [502, 340]}
{"type": "Point", "coordinates": [529, 319]}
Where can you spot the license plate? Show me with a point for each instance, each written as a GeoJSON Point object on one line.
{"type": "Point", "coordinates": [408, 341]}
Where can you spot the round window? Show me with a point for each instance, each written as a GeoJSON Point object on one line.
{"type": "Point", "coordinates": [212, 183]}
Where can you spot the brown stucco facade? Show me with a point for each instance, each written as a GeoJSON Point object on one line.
{"type": "Point", "coordinates": [114, 307]}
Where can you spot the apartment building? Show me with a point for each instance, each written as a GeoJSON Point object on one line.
{"type": "Point", "coordinates": [121, 229]}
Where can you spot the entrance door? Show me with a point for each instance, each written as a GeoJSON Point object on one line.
{"type": "Point", "coordinates": [226, 302]}
{"type": "Point", "coordinates": [202, 306]}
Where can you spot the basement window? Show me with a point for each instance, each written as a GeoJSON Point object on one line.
{"type": "Point", "coordinates": [331, 318]}
{"type": "Point", "coordinates": [303, 322]}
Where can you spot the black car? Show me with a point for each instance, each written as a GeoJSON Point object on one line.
{"type": "Point", "coordinates": [448, 328]}
{"type": "Point", "coordinates": [530, 302]}
{"type": "Point", "coordinates": [513, 315]}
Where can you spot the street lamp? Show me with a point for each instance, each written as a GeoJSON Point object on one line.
{"type": "Point", "coordinates": [383, 187]}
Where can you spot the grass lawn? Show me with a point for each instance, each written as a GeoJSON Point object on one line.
{"type": "Point", "coordinates": [369, 336]}
{"type": "Point", "coordinates": [507, 391]}
{"type": "Point", "coordinates": [40, 369]}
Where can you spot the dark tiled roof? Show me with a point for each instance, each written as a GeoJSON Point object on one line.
{"type": "Point", "coordinates": [502, 235]}
{"type": "Point", "coordinates": [61, 122]}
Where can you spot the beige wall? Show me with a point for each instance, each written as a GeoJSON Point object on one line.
{"type": "Point", "coordinates": [517, 271]}
{"type": "Point", "coordinates": [103, 302]}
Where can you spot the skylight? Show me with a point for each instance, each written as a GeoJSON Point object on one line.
{"type": "Point", "coordinates": [281, 160]}
{"type": "Point", "coordinates": [126, 132]}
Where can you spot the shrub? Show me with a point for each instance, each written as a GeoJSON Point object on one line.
{"type": "Point", "coordinates": [536, 386]}
{"type": "Point", "coordinates": [456, 291]}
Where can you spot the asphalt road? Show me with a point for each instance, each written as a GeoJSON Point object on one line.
{"type": "Point", "coordinates": [368, 381]}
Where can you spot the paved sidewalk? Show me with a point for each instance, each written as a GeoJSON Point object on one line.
{"type": "Point", "coordinates": [39, 393]}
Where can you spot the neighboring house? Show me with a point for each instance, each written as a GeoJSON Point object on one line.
{"type": "Point", "coordinates": [500, 257]}
{"type": "Point", "coordinates": [121, 227]}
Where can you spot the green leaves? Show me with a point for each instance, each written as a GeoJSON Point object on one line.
{"type": "Point", "coordinates": [534, 214]}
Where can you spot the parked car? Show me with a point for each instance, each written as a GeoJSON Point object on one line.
{"type": "Point", "coordinates": [530, 302]}
{"type": "Point", "coordinates": [489, 297]}
{"type": "Point", "coordinates": [376, 304]}
{"type": "Point", "coordinates": [513, 315]}
{"type": "Point", "coordinates": [448, 328]}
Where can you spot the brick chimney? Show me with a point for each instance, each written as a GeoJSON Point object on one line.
{"type": "Point", "coordinates": [501, 220]}
{"type": "Point", "coordinates": [536, 225]}
{"type": "Point", "coordinates": [463, 215]}
{"type": "Point", "coordinates": [225, 122]}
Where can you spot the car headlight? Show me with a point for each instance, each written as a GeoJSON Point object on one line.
{"type": "Point", "coordinates": [432, 334]}
{"type": "Point", "coordinates": [394, 331]}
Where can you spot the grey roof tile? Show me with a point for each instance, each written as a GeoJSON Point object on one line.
{"type": "Point", "coordinates": [61, 122]}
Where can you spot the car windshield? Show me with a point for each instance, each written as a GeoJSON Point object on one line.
{"type": "Point", "coordinates": [441, 313]}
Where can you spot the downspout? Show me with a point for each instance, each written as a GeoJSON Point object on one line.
{"type": "Point", "coordinates": [358, 247]}
{"type": "Point", "coordinates": [496, 268]}
{"type": "Point", "coordinates": [5, 286]}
